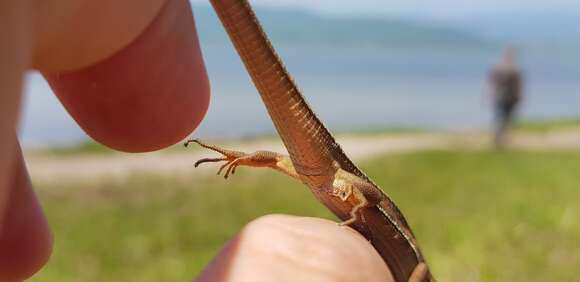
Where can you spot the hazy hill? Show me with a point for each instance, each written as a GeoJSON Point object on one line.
{"type": "Point", "coordinates": [538, 27]}
{"type": "Point", "coordinates": [298, 27]}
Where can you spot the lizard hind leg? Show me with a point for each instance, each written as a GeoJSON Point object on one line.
{"type": "Point", "coordinates": [354, 212]}
{"type": "Point", "coordinates": [365, 194]}
{"type": "Point", "coordinates": [343, 189]}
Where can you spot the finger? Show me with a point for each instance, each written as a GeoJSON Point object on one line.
{"type": "Point", "coordinates": [72, 34]}
{"type": "Point", "coordinates": [25, 241]}
{"type": "Point", "coordinates": [149, 95]}
{"type": "Point", "coordinates": [15, 47]}
{"type": "Point", "coordinates": [285, 248]}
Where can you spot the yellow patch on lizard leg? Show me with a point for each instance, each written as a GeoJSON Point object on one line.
{"type": "Point", "coordinates": [341, 189]}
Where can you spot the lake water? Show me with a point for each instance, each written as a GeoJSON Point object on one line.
{"type": "Point", "coordinates": [350, 88]}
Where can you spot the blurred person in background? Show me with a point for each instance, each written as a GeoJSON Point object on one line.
{"type": "Point", "coordinates": [506, 93]}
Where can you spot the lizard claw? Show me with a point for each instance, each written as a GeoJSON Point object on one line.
{"type": "Point", "coordinates": [229, 156]}
{"type": "Point", "coordinates": [208, 160]}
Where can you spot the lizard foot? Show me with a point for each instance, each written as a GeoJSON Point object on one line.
{"type": "Point", "coordinates": [233, 159]}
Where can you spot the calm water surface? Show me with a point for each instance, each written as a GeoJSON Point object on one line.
{"type": "Point", "coordinates": [351, 88]}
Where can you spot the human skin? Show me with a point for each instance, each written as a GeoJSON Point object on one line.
{"type": "Point", "coordinates": [131, 75]}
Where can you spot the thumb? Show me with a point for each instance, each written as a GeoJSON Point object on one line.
{"type": "Point", "coordinates": [287, 248]}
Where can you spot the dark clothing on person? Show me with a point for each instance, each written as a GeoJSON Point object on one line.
{"type": "Point", "coordinates": [507, 84]}
{"type": "Point", "coordinates": [507, 88]}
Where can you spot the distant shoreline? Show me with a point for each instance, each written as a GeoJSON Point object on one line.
{"type": "Point", "coordinates": [531, 126]}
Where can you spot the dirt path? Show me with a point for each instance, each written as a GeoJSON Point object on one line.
{"type": "Point", "coordinates": [119, 165]}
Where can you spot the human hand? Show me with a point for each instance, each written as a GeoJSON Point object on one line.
{"type": "Point", "coordinates": [131, 74]}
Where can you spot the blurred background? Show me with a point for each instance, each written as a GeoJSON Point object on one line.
{"type": "Point", "coordinates": [405, 86]}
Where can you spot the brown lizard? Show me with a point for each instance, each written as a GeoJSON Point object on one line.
{"type": "Point", "coordinates": [315, 158]}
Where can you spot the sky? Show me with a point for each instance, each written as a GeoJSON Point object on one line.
{"type": "Point", "coordinates": [434, 9]}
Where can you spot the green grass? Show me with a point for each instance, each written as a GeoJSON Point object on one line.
{"type": "Point", "coordinates": [84, 147]}
{"type": "Point", "coordinates": [543, 126]}
{"type": "Point", "coordinates": [479, 216]}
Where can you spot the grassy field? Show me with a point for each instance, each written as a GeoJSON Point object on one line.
{"type": "Point", "coordinates": [543, 126]}
{"type": "Point", "coordinates": [479, 215]}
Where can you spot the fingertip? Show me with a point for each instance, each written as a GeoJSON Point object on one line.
{"type": "Point", "coordinates": [25, 241]}
{"type": "Point", "coordinates": [287, 248]}
{"type": "Point", "coordinates": [149, 95]}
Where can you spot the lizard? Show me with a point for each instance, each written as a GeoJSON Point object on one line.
{"type": "Point", "coordinates": [315, 158]}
